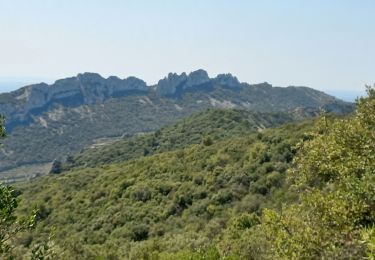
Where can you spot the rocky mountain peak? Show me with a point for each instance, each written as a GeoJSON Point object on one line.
{"type": "Point", "coordinates": [196, 78]}
{"type": "Point", "coordinates": [21, 106]}
{"type": "Point", "coordinates": [85, 88]}
{"type": "Point", "coordinates": [227, 80]}
{"type": "Point", "coordinates": [168, 85]}
{"type": "Point", "coordinates": [90, 77]}
{"type": "Point", "coordinates": [117, 86]}
{"type": "Point", "coordinates": [173, 82]}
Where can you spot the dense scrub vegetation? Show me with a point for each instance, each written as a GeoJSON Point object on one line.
{"type": "Point", "coordinates": [167, 202]}
{"type": "Point", "coordinates": [335, 175]}
{"type": "Point", "coordinates": [300, 191]}
{"type": "Point", "coordinates": [62, 128]}
{"type": "Point", "coordinates": [2, 127]}
{"type": "Point", "coordinates": [208, 126]}
{"type": "Point", "coordinates": [333, 218]}
{"type": "Point", "coordinates": [11, 225]}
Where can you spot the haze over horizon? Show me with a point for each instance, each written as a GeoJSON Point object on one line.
{"type": "Point", "coordinates": [320, 44]}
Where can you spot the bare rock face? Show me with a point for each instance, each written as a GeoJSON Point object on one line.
{"type": "Point", "coordinates": [64, 88]}
{"type": "Point", "coordinates": [86, 88]}
{"type": "Point", "coordinates": [171, 84]}
{"type": "Point", "coordinates": [168, 85]}
{"type": "Point", "coordinates": [116, 85]}
{"type": "Point", "coordinates": [22, 106]}
{"type": "Point", "coordinates": [74, 112]}
{"type": "Point", "coordinates": [196, 78]}
{"type": "Point", "coordinates": [34, 96]}
{"type": "Point", "coordinates": [92, 87]}
{"type": "Point", "coordinates": [227, 80]}
{"type": "Point", "coordinates": [13, 105]}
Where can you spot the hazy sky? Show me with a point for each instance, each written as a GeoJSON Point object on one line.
{"type": "Point", "coordinates": [326, 44]}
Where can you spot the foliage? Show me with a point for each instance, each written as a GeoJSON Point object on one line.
{"type": "Point", "coordinates": [10, 225]}
{"type": "Point", "coordinates": [2, 127]}
{"type": "Point", "coordinates": [173, 203]}
{"type": "Point", "coordinates": [59, 129]}
{"type": "Point", "coordinates": [334, 174]}
{"type": "Point", "coordinates": [8, 221]}
{"type": "Point", "coordinates": [63, 130]}
{"type": "Point", "coordinates": [56, 167]}
{"type": "Point", "coordinates": [205, 127]}
{"type": "Point", "coordinates": [214, 186]}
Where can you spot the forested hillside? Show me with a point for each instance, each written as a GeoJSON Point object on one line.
{"type": "Point", "coordinates": [302, 190]}
{"type": "Point", "coordinates": [205, 127]}
{"type": "Point", "coordinates": [47, 122]}
{"type": "Point", "coordinates": [174, 200]}
{"type": "Point", "coordinates": [117, 144]}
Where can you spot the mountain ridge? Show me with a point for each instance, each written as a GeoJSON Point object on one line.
{"type": "Point", "coordinates": [188, 191]}
{"type": "Point", "coordinates": [208, 126]}
{"type": "Point", "coordinates": [45, 122]}
{"type": "Point", "coordinates": [89, 88]}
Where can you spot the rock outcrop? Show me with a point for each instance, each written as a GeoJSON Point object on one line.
{"type": "Point", "coordinates": [227, 80]}
{"type": "Point", "coordinates": [168, 85]}
{"type": "Point", "coordinates": [45, 122]}
{"type": "Point", "coordinates": [174, 83]}
{"type": "Point", "coordinates": [86, 88]}
{"type": "Point", "coordinates": [196, 78]}
{"type": "Point", "coordinates": [22, 106]}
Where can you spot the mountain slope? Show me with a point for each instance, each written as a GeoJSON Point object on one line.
{"type": "Point", "coordinates": [204, 127]}
{"type": "Point", "coordinates": [166, 202]}
{"type": "Point", "coordinates": [47, 122]}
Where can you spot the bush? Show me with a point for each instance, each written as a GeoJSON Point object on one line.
{"type": "Point", "coordinates": [139, 232]}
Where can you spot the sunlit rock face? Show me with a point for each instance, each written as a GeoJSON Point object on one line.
{"type": "Point", "coordinates": [86, 88]}
{"type": "Point", "coordinates": [22, 106]}
{"type": "Point", "coordinates": [168, 85]}
{"type": "Point", "coordinates": [227, 80]}
{"type": "Point", "coordinates": [196, 78]}
{"type": "Point", "coordinates": [175, 83]}
{"type": "Point", "coordinates": [44, 121]}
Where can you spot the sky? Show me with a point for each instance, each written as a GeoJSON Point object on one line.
{"type": "Point", "coordinates": [326, 45]}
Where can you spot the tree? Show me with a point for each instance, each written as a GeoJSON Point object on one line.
{"type": "Point", "coordinates": [56, 167]}
{"type": "Point", "coordinates": [335, 175]}
{"type": "Point", "coordinates": [2, 127]}
{"type": "Point", "coordinates": [11, 225]}
{"type": "Point", "coordinates": [8, 221]}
